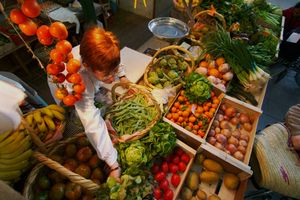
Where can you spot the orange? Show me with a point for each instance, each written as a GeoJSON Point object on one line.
{"type": "Point", "coordinates": [201, 133]}
{"type": "Point", "coordinates": [200, 109]}
{"type": "Point", "coordinates": [180, 119]}
{"type": "Point", "coordinates": [181, 92]}
{"type": "Point", "coordinates": [173, 109]}
{"type": "Point", "coordinates": [214, 105]}
{"type": "Point", "coordinates": [197, 114]}
{"type": "Point", "coordinates": [210, 114]}
{"type": "Point", "coordinates": [172, 120]}
{"type": "Point", "coordinates": [194, 131]}
{"type": "Point", "coordinates": [192, 118]}
{"type": "Point", "coordinates": [212, 110]}
{"type": "Point", "coordinates": [200, 123]}
{"type": "Point", "coordinates": [214, 72]}
{"type": "Point", "coordinates": [191, 124]}
{"type": "Point", "coordinates": [208, 57]}
{"type": "Point", "coordinates": [208, 104]}
{"type": "Point", "coordinates": [169, 116]}
{"type": "Point", "coordinates": [196, 127]}
{"type": "Point", "coordinates": [203, 64]}
{"type": "Point", "coordinates": [179, 112]}
{"type": "Point", "coordinates": [185, 114]}
{"type": "Point", "coordinates": [212, 94]}
{"type": "Point", "coordinates": [175, 116]}
{"type": "Point", "coordinates": [205, 108]}
{"type": "Point", "coordinates": [216, 101]}
{"type": "Point", "coordinates": [220, 61]}
{"type": "Point", "coordinates": [176, 104]}
{"type": "Point", "coordinates": [181, 99]}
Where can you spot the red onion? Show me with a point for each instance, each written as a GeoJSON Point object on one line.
{"type": "Point", "coordinates": [233, 140]}
{"type": "Point", "coordinates": [231, 148]}
{"type": "Point", "coordinates": [221, 138]}
{"type": "Point", "coordinates": [235, 121]}
{"type": "Point", "coordinates": [226, 118]}
{"type": "Point", "coordinates": [223, 107]}
{"type": "Point", "coordinates": [238, 155]}
{"type": "Point", "coordinates": [247, 126]}
{"type": "Point", "coordinates": [230, 111]}
{"type": "Point", "coordinates": [243, 143]}
{"type": "Point", "coordinates": [238, 115]}
{"type": "Point", "coordinates": [244, 136]}
{"type": "Point", "coordinates": [224, 124]}
{"type": "Point", "coordinates": [211, 140]}
{"type": "Point", "coordinates": [221, 112]}
{"type": "Point", "coordinates": [242, 149]}
{"type": "Point", "coordinates": [227, 151]}
{"type": "Point", "coordinates": [244, 118]}
{"type": "Point", "coordinates": [219, 117]}
{"type": "Point", "coordinates": [218, 130]}
{"type": "Point", "coordinates": [236, 134]}
{"type": "Point", "coordinates": [216, 123]}
{"type": "Point", "coordinates": [226, 132]}
{"type": "Point", "coordinates": [211, 132]}
{"type": "Point", "coordinates": [219, 146]}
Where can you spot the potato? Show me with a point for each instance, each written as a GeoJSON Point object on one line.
{"type": "Point", "coordinates": [212, 165]}
{"type": "Point", "coordinates": [209, 177]}
{"type": "Point", "coordinates": [199, 158]}
{"type": "Point", "coordinates": [193, 198]}
{"type": "Point", "coordinates": [186, 193]}
{"type": "Point", "coordinates": [214, 197]}
{"type": "Point", "coordinates": [231, 181]}
{"type": "Point", "coordinates": [192, 180]}
{"type": "Point", "coordinates": [201, 195]}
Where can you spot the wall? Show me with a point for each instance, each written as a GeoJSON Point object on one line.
{"type": "Point", "coordinates": [161, 6]}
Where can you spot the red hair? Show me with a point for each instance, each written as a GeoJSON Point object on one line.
{"type": "Point", "coordinates": [100, 50]}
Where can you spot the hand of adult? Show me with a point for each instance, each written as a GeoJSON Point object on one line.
{"type": "Point", "coordinates": [124, 79]}
{"type": "Point", "coordinates": [115, 170]}
{"type": "Point", "coordinates": [296, 141]}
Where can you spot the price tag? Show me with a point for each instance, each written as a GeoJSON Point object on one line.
{"type": "Point", "coordinates": [185, 45]}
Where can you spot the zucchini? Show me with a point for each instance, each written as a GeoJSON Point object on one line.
{"type": "Point", "coordinates": [247, 95]}
{"type": "Point", "coordinates": [236, 96]}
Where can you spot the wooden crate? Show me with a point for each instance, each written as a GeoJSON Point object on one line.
{"type": "Point", "coordinates": [8, 46]}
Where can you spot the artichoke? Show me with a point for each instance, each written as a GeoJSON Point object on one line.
{"type": "Point", "coordinates": [166, 84]}
{"type": "Point", "coordinates": [172, 74]}
{"type": "Point", "coordinates": [159, 86]}
{"type": "Point", "coordinates": [159, 72]}
{"type": "Point", "coordinates": [153, 74]}
{"type": "Point", "coordinates": [153, 80]}
{"type": "Point", "coordinates": [163, 63]}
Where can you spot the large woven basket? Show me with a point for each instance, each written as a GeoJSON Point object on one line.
{"type": "Point", "coordinates": [274, 163]}
{"type": "Point", "coordinates": [155, 61]}
{"type": "Point", "coordinates": [125, 94]}
{"type": "Point", "coordinates": [216, 14]}
{"type": "Point", "coordinates": [181, 8]}
{"type": "Point", "coordinates": [41, 169]}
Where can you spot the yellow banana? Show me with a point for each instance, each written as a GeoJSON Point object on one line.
{"type": "Point", "coordinates": [24, 156]}
{"type": "Point", "coordinates": [34, 123]}
{"type": "Point", "coordinates": [18, 166]}
{"type": "Point", "coordinates": [57, 108]}
{"type": "Point", "coordinates": [8, 176]}
{"type": "Point", "coordinates": [47, 112]}
{"type": "Point", "coordinates": [59, 115]}
{"type": "Point", "coordinates": [18, 152]}
{"type": "Point", "coordinates": [29, 119]}
{"type": "Point", "coordinates": [16, 146]}
{"type": "Point", "coordinates": [37, 130]}
{"type": "Point", "coordinates": [5, 135]}
{"type": "Point", "coordinates": [21, 127]}
{"type": "Point", "coordinates": [20, 136]}
{"type": "Point", "coordinates": [9, 139]}
{"type": "Point", "coordinates": [42, 126]}
{"type": "Point", "coordinates": [37, 115]}
{"type": "Point", "coordinates": [49, 123]}
{"type": "Point", "coordinates": [49, 136]}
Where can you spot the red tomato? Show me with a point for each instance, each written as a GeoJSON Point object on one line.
{"type": "Point", "coordinates": [17, 16]}
{"type": "Point", "coordinates": [175, 159]}
{"type": "Point", "coordinates": [64, 37]}
{"type": "Point", "coordinates": [69, 100]}
{"type": "Point", "coordinates": [56, 55]}
{"type": "Point", "coordinates": [53, 69]}
{"type": "Point", "coordinates": [157, 193]}
{"type": "Point", "coordinates": [61, 64]}
{"type": "Point", "coordinates": [64, 47]}
{"type": "Point", "coordinates": [83, 141]}
{"type": "Point", "coordinates": [28, 28]}
{"type": "Point", "coordinates": [83, 170]}
{"type": "Point", "coordinates": [68, 57]}
{"type": "Point", "coordinates": [79, 88]}
{"type": "Point", "coordinates": [43, 32]}
{"type": "Point", "coordinates": [95, 162]}
{"type": "Point", "coordinates": [73, 191]}
{"type": "Point", "coordinates": [168, 195]}
{"type": "Point", "coordinates": [57, 191]}
{"type": "Point", "coordinates": [69, 167]}
{"type": "Point", "coordinates": [178, 151]}
{"type": "Point", "coordinates": [84, 154]}
{"type": "Point", "coordinates": [165, 167]}
{"type": "Point", "coordinates": [168, 158]}
{"type": "Point", "coordinates": [164, 184]}
{"type": "Point", "coordinates": [71, 150]}
{"type": "Point", "coordinates": [78, 96]}
{"type": "Point", "coordinates": [31, 8]}
{"type": "Point", "coordinates": [72, 161]}
{"type": "Point", "coordinates": [160, 176]}
{"type": "Point", "coordinates": [73, 66]}
{"type": "Point", "coordinates": [185, 158]}
{"type": "Point", "coordinates": [182, 166]}
{"type": "Point", "coordinates": [175, 180]}
{"type": "Point", "coordinates": [59, 78]}
{"type": "Point", "coordinates": [61, 93]}
{"type": "Point", "coordinates": [173, 168]}
{"type": "Point", "coordinates": [98, 173]}
{"type": "Point", "coordinates": [75, 78]}
{"type": "Point", "coordinates": [155, 168]}
{"type": "Point", "coordinates": [46, 41]}
{"type": "Point", "coordinates": [58, 29]}
{"type": "Point", "coordinates": [68, 77]}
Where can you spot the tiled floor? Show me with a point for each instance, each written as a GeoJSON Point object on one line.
{"type": "Point", "coordinates": [132, 31]}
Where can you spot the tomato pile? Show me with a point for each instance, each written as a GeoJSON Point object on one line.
{"type": "Point", "coordinates": [79, 158]}
{"type": "Point", "coordinates": [59, 56]}
{"type": "Point", "coordinates": [175, 163]}
{"type": "Point", "coordinates": [193, 117]}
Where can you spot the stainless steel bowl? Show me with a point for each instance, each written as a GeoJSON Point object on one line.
{"type": "Point", "coordinates": [168, 28]}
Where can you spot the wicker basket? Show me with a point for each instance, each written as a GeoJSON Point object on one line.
{"type": "Point", "coordinates": [144, 91]}
{"type": "Point", "coordinates": [153, 63]}
{"type": "Point", "coordinates": [274, 163]}
{"type": "Point", "coordinates": [182, 9]}
{"type": "Point", "coordinates": [40, 169]}
{"type": "Point", "coordinates": [216, 14]}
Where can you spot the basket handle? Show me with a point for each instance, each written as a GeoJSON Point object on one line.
{"type": "Point", "coordinates": [216, 13]}
{"type": "Point", "coordinates": [86, 183]}
{"type": "Point", "coordinates": [174, 47]}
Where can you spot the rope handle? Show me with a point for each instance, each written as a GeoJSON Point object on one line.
{"type": "Point", "coordinates": [216, 13]}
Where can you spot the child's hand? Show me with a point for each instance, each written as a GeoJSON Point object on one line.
{"type": "Point", "coordinates": [124, 79]}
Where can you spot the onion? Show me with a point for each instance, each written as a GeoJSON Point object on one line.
{"type": "Point", "coordinates": [211, 140]}
{"type": "Point", "coordinates": [224, 68]}
{"type": "Point", "coordinates": [238, 155]}
{"type": "Point", "coordinates": [227, 151]}
{"type": "Point", "coordinates": [238, 115]}
{"type": "Point", "coordinates": [233, 140]}
{"type": "Point", "coordinates": [230, 111]}
{"type": "Point", "coordinates": [219, 146]}
{"type": "Point", "coordinates": [211, 132]}
{"type": "Point", "coordinates": [223, 107]}
{"type": "Point", "coordinates": [218, 130]}
{"type": "Point", "coordinates": [247, 126]}
{"type": "Point", "coordinates": [244, 118]}
{"type": "Point", "coordinates": [226, 118]}
{"type": "Point", "coordinates": [222, 86]}
{"type": "Point", "coordinates": [227, 76]}
{"type": "Point", "coordinates": [221, 138]}
{"type": "Point", "coordinates": [236, 134]}
{"type": "Point", "coordinates": [242, 149]}
{"type": "Point", "coordinates": [219, 117]}
{"type": "Point", "coordinates": [201, 70]}
{"type": "Point", "coordinates": [244, 136]}
{"type": "Point", "coordinates": [224, 124]}
{"type": "Point", "coordinates": [231, 148]}
{"type": "Point", "coordinates": [220, 112]}
{"type": "Point", "coordinates": [235, 121]}
{"type": "Point", "coordinates": [216, 123]}
{"type": "Point", "coordinates": [212, 79]}
{"type": "Point", "coordinates": [226, 132]}
{"type": "Point", "coordinates": [243, 143]}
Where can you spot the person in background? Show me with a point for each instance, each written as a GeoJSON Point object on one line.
{"type": "Point", "coordinates": [100, 57]}
{"type": "Point", "coordinates": [292, 18]}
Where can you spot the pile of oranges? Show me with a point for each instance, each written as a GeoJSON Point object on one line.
{"type": "Point", "coordinates": [193, 117]}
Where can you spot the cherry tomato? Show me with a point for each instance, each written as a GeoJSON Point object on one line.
{"type": "Point", "coordinates": [164, 184]}
{"type": "Point", "coordinates": [168, 195]}
{"type": "Point", "coordinates": [46, 41]}
{"type": "Point", "coordinates": [75, 78]}
{"type": "Point", "coordinates": [17, 16]}
{"type": "Point", "coordinates": [64, 47]}
{"type": "Point", "coordinates": [173, 168]}
{"type": "Point", "coordinates": [64, 37]}
{"type": "Point", "coordinates": [178, 151]}
{"type": "Point", "coordinates": [68, 77]}
{"type": "Point", "coordinates": [160, 176]}
{"type": "Point", "coordinates": [53, 69]}
{"type": "Point", "coordinates": [182, 166]}
{"type": "Point", "coordinates": [79, 88]}
{"type": "Point", "coordinates": [28, 28]}
{"type": "Point", "coordinates": [43, 32]}
{"type": "Point", "coordinates": [58, 29]}
{"type": "Point", "coordinates": [175, 159]}
{"type": "Point", "coordinates": [31, 8]}
{"type": "Point", "coordinates": [61, 93]}
{"type": "Point", "coordinates": [175, 179]}
{"type": "Point", "coordinates": [165, 167]}
{"type": "Point", "coordinates": [78, 96]}
{"type": "Point", "coordinates": [168, 158]}
{"type": "Point", "coordinates": [155, 168]}
{"type": "Point", "coordinates": [56, 55]}
{"type": "Point", "coordinates": [185, 158]}
{"type": "Point", "coordinates": [73, 66]}
{"type": "Point", "coordinates": [61, 64]}
{"type": "Point", "coordinates": [157, 193]}
{"type": "Point", "coordinates": [59, 78]}
{"type": "Point", "coordinates": [68, 57]}
{"type": "Point", "coordinates": [69, 100]}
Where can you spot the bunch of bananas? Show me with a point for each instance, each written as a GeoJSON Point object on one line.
{"type": "Point", "coordinates": [45, 120]}
{"type": "Point", "coordinates": [15, 153]}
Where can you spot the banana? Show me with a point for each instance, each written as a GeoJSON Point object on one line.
{"type": "Point", "coordinates": [21, 127]}
{"type": "Point", "coordinates": [59, 115]}
{"type": "Point", "coordinates": [49, 123]}
{"type": "Point", "coordinates": [20, 136]}
{"type": "Point", "coordinates": [47, 112]}
{"type": "Point", "coordinates": [57, 108]}
{"type": "Point", "coordinates": [9, 139]}
{"type": "Point", "coordinates": [18, 166]}
{"type": "Point", "coordinates": [34, 123]}
{"type": "Point", "coordinates": [8, 176]}
{"type": "Point", "coordinates": [49, 136]}
{"type": "Point", "coordinates": [29, 119]}
{"type": "Point", "coordinates": [42, 126]}
{"type": "Point", "coordinates": [16, 146]}
{"type": "Point", "coordinates": [37, 115]}
{"type": "Point", "coordinates": [18, 152]}
{"type": "Point", "coordinates": [24, 156]}
{"type": "Point", "coordinates": [5, 135]}
{"type": "Point", "coordinates": [37, 131]}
